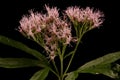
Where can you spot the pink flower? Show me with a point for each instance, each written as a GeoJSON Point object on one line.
{"type": "Point", "coordinates": [47, 28]}
{"type": "Point", "coordinates": [57, 31]}
{"type": "Point", "coordinates": [73, 13]}
{"type": "Point", "coordinates": [87, 15]}
{"type": "Point", "coordinates": [52, 12]}
{"type": "Point", "coordinates": [31, 25]}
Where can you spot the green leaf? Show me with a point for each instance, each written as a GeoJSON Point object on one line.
{"type": "Point", "coordinates": [40, 75]}
{"type": "Point", "coordinates": [116, 70]}
{"type": "Point", "coordinates": [72, 75]}
{"type": "Point", "coordinates": [19, 63]}
{"type": "Point", "coordinates": [102, 65]}
{"type": "Point", "coordinates": [23, 47]}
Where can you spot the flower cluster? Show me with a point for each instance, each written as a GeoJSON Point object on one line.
{"type": "Point", "coordinates": [85, 15]}
{"type": "Point", "coordinates": [47, 29]}
{"type": "Point", "coordinates": [53, 32]}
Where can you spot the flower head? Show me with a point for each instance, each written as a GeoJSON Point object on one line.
{"type": "Point", "coordinates": [32, 24]}
{"type": "Point", "coordinates": [52, 12]}
{"type": "Point", "coordinates": [47, 28]}
{"type": "Point", "coordinates": [52, 32]}
{"type": "Point", "coordinates": [88, 15]}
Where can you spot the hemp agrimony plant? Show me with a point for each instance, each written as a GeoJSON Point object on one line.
{"type": "Point", "coordinates": [54, 34]}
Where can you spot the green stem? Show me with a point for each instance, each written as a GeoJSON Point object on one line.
{"type": "Point", "coordinates": [68, 54]}
{"type": "Point", "coordinates": [55, 66]}
{"type": "Point", "coordinates": [61, 54]}
{"type": "Point", "coordinates": [59, 78]}
{"type": "Point", "coordinates": [63, 49]}
{"type": "Point", "coordinates": [53, 72]}
{"type": "Point", "coordinates": [72, 56]}
{"type": "Point", "coordinates": [61, 61]}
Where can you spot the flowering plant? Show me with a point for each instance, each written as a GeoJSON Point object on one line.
{"type": "Point", "coordinates": [54, 34]}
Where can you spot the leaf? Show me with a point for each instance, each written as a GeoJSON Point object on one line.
{"type": "Point", "coordinates": [72, 75]}
{"type": "Point", "coordinates": [23, 47]}
{"type": "Point", "coordinates": [101, 65]}
{"type": "Point", "coordinates": [19, 63]}
{"type": "Point", "coordinates": [116, 70]}
{"type": "Point", "coordinates": [40, 75]}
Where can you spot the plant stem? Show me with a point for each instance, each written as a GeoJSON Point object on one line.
{"type": "Point", "coordinates": [72, 56]}
{"type": "Point", "coordinates": [55, 66]}
{"type": "Point", "coordinates": [63, 50]}
{"type": "Point", "coordinates": [61, 54]}
{"type": "Point", "coordinates": [59, 78]}
{"type": "Point", "coordinates": [53, 72]}
{"type": "Point", "coordinates": [61, 61]}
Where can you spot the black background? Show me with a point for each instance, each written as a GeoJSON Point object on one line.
{"type": "Point", "coordinates": [95, 43]}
